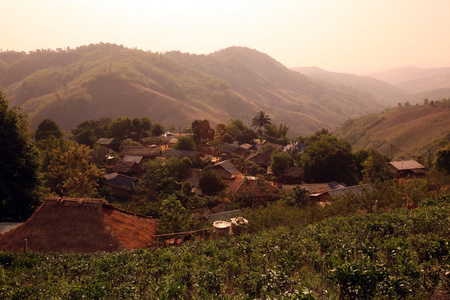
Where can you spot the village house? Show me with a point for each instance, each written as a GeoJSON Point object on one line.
{"type": "Point", "coordinates": [406, 168]}
{"type": "Point", "coordinates": [109, 143]}
{"type": "Point", "coordinates": [227, 170]}
{"type": "Point", "coordinates": [193, 180]}
{"type": "Point", "coordinates": [257, 188]}
{"type": "Point", "coordinates": [249, 147]}
{"type": "Point", "coordinates": [180, 153]}
{"type": "Point", "coordinates": [298, 147]}
{"type": "Point", "coordinates": [330, 195]}
{"type": "Point", "coordinates": [129, 165]}
{"type": "Point", "coordinates": [123, 187]}
{"type": "Point", "coordinates": [259, 158]}
{"type": "Point", "coordinates": [231, 150]}
{"type": "Point", "coordinates": [147, 152]}
{"type": "Point", "coordinates": [80, 226]}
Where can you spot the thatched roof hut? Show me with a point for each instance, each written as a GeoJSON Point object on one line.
{"type": "Point", "coordinates": [80, 226]}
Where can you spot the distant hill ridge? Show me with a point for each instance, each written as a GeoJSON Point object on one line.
{"type": "Point", "coordinates": [174, 88]}
{"type": "Point", "coordinates": [364, 85]}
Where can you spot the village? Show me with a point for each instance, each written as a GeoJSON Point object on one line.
{"type": "Point", "coordinates": [243, 172]}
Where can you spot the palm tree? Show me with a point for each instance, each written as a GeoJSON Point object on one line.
{"type": "Point", "coordinates": [259, 121]}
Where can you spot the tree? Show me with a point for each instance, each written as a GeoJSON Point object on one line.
{"type": "Point", "coordinates": [210, 182]}
{"type": "Point", "coordinates": [70, 172]}
{"type": "Point", "coordinates": [375, 167]}
{"type": "Point", "coordinates": [202, 130]}
{"type": "Point", "coordinates": [246, 136]}
{"type": "Point", "coordinates": [296, 197]}
{"type": "Point", "coordinates": [259, 121]}
{"type": "Point", "coordinates": [327, 158]}
{"type": "Point", "coordinates": [88, 132]}
{"type": "Point", "coordinates": [141, 127]}
{"type": "Point", "coordinates": [47, 128]}
{"type": "Point", "coordinates": [162, 177]}
{"type": "Point", "coordinates": [279, 161]}
{"type": "Point", "coordinates": [185, 142]}
{"type": "Point", "coordinates": [121, 128]}
{"type": "Point", "coordinates": [18, 166]}
{"type": "Point", "coordinates": [442, 159]}
{"type": "Point", "coordinates": [158, 129]}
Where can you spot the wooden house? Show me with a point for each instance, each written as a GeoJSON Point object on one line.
{"type": "Point", "coordinates": [109, 143]}
{"type": "Point", "coordinates": [259, 158]}
{"type": "Point", "coordinates": [257, 188]}
{"type": "Point", "coordinates": [122, 186]}
{"type": "Point", "coordinates": [407, 168]}
{"type": "Point", "coordinates": [147, 152]}
{"type": "Point", "coordinates": [227, 170]}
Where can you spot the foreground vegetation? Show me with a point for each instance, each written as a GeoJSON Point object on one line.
{"type": "Point", "coordinates": [396, 254]}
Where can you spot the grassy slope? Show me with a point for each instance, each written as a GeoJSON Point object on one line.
{"type": "Point", "coordinates": [400, 133]}
{"type": "Point", "coordinates": [107, 80]}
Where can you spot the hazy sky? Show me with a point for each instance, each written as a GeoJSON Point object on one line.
{"type": "Point", "coordinates": [337, 35]}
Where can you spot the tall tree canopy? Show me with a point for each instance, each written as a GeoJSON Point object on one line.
{"type": "Point", "coordinates": [47, 128]}
{"type": "Point", "coordinates": [202, 130]}
{"type": "Point", "coordinates": [70, 173]}
{"type": "Point", "coordinates": [88, 132]}
{"type": "Point", "coordinates": [327, 158]}
{"type": "Point", "coordinates": [185, 142]}
{"type": "Point", "coordinates": [18, 166]}
{"type": "Point", "coordinates": [121, 128]}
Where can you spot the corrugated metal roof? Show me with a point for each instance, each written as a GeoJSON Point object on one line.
{"type": "Point", "coordinates": [407, 165]}
{"type": "Point", "coordinates": [120, 180]}
{"type": "Point", "coordinates": [226, 215]}
{"type": "Point", "coordinates": [356, 189]}
{"type": "Point", "coordinates": [227, 166]}
{"type": "Point", "coordinates": [179, 153]}
{"type": "Point", "coordinates": [104, 141]}
{"type": "Point", "coordinates": [133, 158]}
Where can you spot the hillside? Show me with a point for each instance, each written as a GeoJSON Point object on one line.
{"type": "Point", "coordinates": [401, 132]}
{"type": "Point", "coordinates": [103, 80]}
{"type": "Point", "coordinates": [363, 85]}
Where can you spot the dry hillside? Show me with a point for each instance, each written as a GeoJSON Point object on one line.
{"type": "Point", "coordinates": [401, 132]}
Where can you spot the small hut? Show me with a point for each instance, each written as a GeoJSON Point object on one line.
{"type": "Point", "coordinates": [80, 226]}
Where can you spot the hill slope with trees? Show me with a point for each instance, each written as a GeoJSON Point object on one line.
{"type": "Point", "coordinates": [404, 132]}
{"type": "Point", "coordinates": [104, 80]}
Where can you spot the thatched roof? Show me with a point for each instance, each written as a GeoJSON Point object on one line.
{"type": "Point", "coordinates": [80, 226]}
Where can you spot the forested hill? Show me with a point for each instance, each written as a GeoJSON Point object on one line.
{"type": "Point", "coordinates": [403, 132]}
{"type": "Point", "coordinates": [104, 80]}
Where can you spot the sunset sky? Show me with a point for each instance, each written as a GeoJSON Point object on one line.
{"type": "Point", "coordinates": [337, 35]}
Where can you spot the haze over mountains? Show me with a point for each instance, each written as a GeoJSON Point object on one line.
{"type": "Point", "coordinates": [174, 88]}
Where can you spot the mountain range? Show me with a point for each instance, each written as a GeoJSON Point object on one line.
{"type": "Point", "coordinates": [175, 88]}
